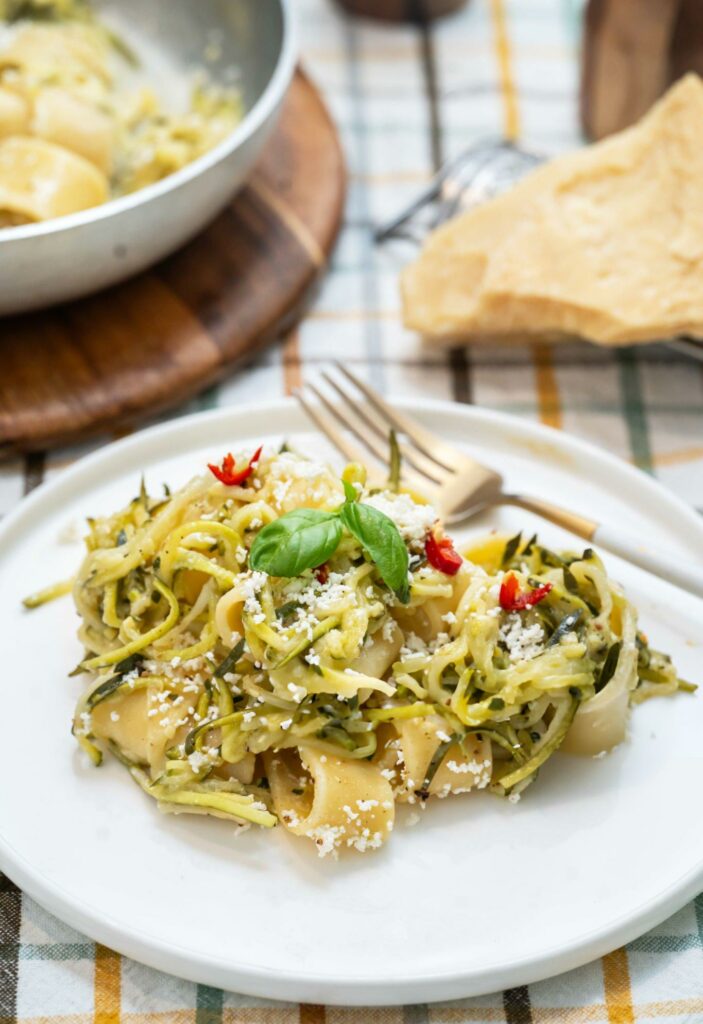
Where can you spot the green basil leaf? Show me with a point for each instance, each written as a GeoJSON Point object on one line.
{"type": "Point", "coordinates": [379, 537]}
{"type": "Point", "coordinates": [350, 492]}
{"type": "Point", "coordinates": [299, 540]}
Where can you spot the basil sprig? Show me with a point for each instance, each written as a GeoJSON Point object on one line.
{"type": "Point", "coordinates": [380, 539]}
{"type": "Point", "coordinates": [306, 537]}
{"type": "Point", "coordinates": [299, 540]}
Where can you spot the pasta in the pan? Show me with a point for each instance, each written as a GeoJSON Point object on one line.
{"type": "Point", "coordinates": [72, 135]}
{"type": "Point", "coordinates": [273, 643]}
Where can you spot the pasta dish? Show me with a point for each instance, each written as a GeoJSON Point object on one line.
{"type": "Point", "coordinates": [275, 644]}
{"type": "Point", "coordinates": [72, 135]}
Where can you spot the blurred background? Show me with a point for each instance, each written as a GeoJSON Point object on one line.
{"type": "Point", "coordinates": [405, 97]}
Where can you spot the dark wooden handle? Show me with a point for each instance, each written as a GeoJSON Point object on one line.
{"type": "Point", "coordinates": [632, 51]}
{"type": "Point", "coordinates": [402, 10]}
{"type": "Point", "coordinates": [687, 45]}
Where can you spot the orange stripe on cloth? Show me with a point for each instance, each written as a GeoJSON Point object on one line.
{"type": "Point", "coordinates": [292, 375]}
{"type": "Point", "coordinates": [569, 1014]}
{"type": "Point", "coordinates": [548, 400]}
{"type": "Point", "coordinates": [373, 1014]}
{"type": "Point", "coordinates": [468, 1015]}
{"type": "Point", "coordinates": [678, 456]}
{"type": "Point", "coordinates": [108, 984]}
{"type": "Point", "coordinates": [618, 990]}
{"type": "Point", "coordinates": [501, 41]}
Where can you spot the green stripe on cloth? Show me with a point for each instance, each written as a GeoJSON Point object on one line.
{"type": "Point", "coordinates": [664, 943]}
{"type": "Point", "coordinates": [208, 399]}
{"type": "Point", "coordinates": [698, 904]}
{"type": "Point", "coordinates": [209, 1003]}
{"type": "Point", "coordinates": [634, 409]}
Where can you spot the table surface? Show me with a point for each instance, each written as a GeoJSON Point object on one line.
{"type": "Point", "coordinates": [406, 99]}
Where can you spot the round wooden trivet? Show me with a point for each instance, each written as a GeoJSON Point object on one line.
{"type": "Point", "coordinates": [133, 350]}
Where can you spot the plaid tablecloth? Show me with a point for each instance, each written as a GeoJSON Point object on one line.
{"type": "Point", "coordinates": [405, 99]}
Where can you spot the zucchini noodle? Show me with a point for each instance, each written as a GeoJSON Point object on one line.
{"type": "Point", "coordinates": [321, 701]}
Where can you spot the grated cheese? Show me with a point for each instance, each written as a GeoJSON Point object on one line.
{"type": "Point", "coordinates": [412, 519]}
{"type": "Point", "coordinates": [523, 642]}
{"type": "Point", "coordinates": [327, 838]}
{"type": "Point", "coordinates": [388, 631]}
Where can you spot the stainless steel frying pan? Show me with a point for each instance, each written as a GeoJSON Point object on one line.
{"type": "Point", "coordinates": [41, 264]}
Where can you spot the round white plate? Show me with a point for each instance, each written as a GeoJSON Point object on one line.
{"type": "Point", "coordinates": [480, 895]}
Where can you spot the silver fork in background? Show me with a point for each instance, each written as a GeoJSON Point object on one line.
{"type": "Point", "coordinates": [458, 486]}
{"type": "Point", "coordinates": [479, 173]}
{"type": "Point", "coordinates": [484, 170]}
{"type": "Point", "coordinates": [688, 346]}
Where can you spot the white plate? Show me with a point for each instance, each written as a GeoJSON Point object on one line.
{"type": "Point", "coordinates": [480, 895]}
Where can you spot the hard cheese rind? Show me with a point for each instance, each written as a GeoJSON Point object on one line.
{"type": "Point", "coordinates": [605, 243]}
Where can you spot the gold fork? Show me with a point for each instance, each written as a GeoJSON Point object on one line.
{"type": "Point", "coordinates": [458, 486]}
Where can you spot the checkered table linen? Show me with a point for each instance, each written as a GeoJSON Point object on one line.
{"type": "Point", "coordinates": [406, 99]}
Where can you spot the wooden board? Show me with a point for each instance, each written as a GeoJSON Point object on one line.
{"type": "Point", "coordinates": [108, 360]}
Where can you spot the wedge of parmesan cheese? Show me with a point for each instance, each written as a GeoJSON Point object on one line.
{"type": "Point", "coordinates": [605, 243]}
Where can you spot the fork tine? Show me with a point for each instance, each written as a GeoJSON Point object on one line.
{"type": "Point", "coordinates": [428, 467]}
{"type": "Point", "coordinates": [348, 448]}
{"type": "Point", "coordinates": [379, 451]}
{"type": "Point", "coordinates": [429, 444]}
{"type": "Point", "coordinates": [392, 227]}
{"type": "Point", "coordinates": [688, 346]}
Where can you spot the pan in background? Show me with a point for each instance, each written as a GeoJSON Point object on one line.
{"type": "Point", "coordinates": [53, 261]}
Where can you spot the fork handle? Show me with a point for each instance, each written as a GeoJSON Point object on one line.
{"type": "Point", "coordinates": [665, 565]}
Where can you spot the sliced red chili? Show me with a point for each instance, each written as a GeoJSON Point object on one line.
{"type": "Point", "coordinates": [322, 573]}
{"type": "Point", "coordinates": [228, 475]}
{"type": "Point", "coordinates": [442, 555]}
{"type": "Point", "coordinates": [512, 599]}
